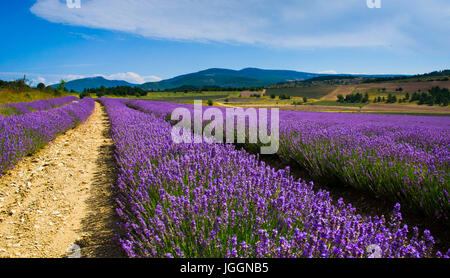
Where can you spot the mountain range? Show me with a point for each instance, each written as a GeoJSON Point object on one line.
{"type": "Point", "coordinates": [248, 77]}
{"type": "Point", "coordinates": [79, 85]}
{"type": "Point", "coordinates": [225, 78]}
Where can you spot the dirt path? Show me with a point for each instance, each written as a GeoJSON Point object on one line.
{"type": "Point", "coordinates": [62, 196]}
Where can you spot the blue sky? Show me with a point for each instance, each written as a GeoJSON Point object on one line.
{"type": "Point", "coordinates": [148, 40]}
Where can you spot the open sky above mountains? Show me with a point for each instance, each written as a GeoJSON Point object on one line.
{"type": "Point", "coordinates": [149, 40]}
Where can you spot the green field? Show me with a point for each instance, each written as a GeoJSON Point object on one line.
{"type": "Point", "coordinates": [316, 92]}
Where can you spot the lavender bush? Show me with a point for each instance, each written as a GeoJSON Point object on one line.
{"type": "Point", "coordinates": [212, 200]}
{"type": "Point", "coordinates": [24, 134]}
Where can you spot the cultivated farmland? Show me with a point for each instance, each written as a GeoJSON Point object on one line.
{"type": "Point", "coordinates": [217, 200]}
{"type": "Point", "coordinates": [315, 92]}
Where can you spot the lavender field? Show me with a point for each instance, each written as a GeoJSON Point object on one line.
{"type": "Point", "coordinates": [401, 158]}
{"type": "Point", "coordinates": [213, 200]}
{"type": "Point", "coordinates": [221, 138]}
{"type": "Point", "coordinates": [33, 106]}
{"type": "Point", "coordinates": [24, 134]}
{"type": "Point", "coordinates": [218, 200]}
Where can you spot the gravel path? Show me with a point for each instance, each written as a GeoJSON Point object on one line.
{"type": "Point", "coordinates": [60, 198]}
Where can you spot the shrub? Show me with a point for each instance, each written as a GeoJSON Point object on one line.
{"type": "Point", "coordinates": [84, 94]}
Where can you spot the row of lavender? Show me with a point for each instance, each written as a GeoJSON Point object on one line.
{"type": "Point", "coordinates": [35, 106]}
{"type": "Point", "coordinates": [402, 158]}
{"type": "Point", "coordinates": [24, 134]}
{"type": "Point", "coordinates": [212, 200]}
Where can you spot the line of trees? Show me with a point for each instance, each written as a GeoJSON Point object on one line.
{"type": "Point", "coordinates": [115, 91]}
{"type": "Point", "coordinates": [353, 98]}
{"type": "Point", "coordinates": [390, 99]}
{"type": "Point", "coordinates": [284, 96]}
{"type": "Point", "coordinates": [23, 84]}
{"type": "Point", "coordinates": [19, 84]}
{"type": "Point", "coordinates": [435, 95]}
{"type": "Point", "coordinates": [444, 73]}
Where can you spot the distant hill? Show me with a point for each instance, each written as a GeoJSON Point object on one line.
{"type": "Point", "coordinates": [333, 80]}
{"type": "Point", "coordinates": [79, 85]}
{"type": "Point", "coordinates": [435, 75]}
{"type": "Point", "coordinates": [214, 77]}
{"type": "Point", "coordinates": [226, 78]}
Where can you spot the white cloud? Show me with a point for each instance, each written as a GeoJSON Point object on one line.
{"type": "Point", "coordinates": [400, 24]}
{"type": "Point", "coordinates": [131, 77]}
{"type": "Point", "coordinates": [85, 36]}
{"type": "Point", "coordinates": [36, 78]}
{"type": "Point", "coordinates": [49, 79]}
{"type": "Point", "coordinates": [328, 72]}
{"type": "Point", "coordinates": [69, 77]}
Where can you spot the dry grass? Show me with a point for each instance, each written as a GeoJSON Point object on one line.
{"type": "Point", "coordinates": [408, 87]}
{"type": "Point", "coordinates": [341, 90]}
{"type": "Point", "coordinates": [14, 96]}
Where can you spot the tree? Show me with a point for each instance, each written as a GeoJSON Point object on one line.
{"type": "Point", "coordinates": [61, 88]}
{"type": "Point", "coordinates": [84, 94]}
{"type": "Point", "coordinates": [284, 96]}
{"type": "Point", "coordinates": [366, 98]}
{"type": "Point", "coordinates": [305, 99]}
{"type": "Point", "coordinates": [210, 102]}
{"type": "Point", "coordinates": [272, 96]}
{"type": "Point", "coordinates": [340, 98]}
{"type": "Point", "coordinates": [391, 98]}
{"type": "Point", "coordinates": [41, 86]}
